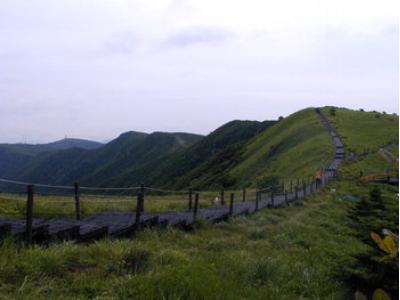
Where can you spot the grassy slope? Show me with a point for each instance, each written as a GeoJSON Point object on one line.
{"type": "Point", "coordinates": [276, 151]}
{"type": "Point", "coordinates": [274, 254]}
{"type": "Point", "coordinates": [364, 133]}
{"type": "Point", "coordinates": [203, 164]}
{"type": "Point", "coordinates": [288, 253]}
{"type": "Point", "coordinates": [362, 130]}
{"type": "Point", "coordinates": [302, 251]}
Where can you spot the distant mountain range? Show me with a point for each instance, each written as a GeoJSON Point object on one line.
{"type": "Point", "coordinates": [67, 143]}
{"type": "Point", "coordinates": [158, 158]}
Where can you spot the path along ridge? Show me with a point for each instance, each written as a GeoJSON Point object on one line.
{"type": "Point", "coordinates": [118, 224]}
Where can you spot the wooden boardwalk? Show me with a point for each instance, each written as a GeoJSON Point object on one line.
{"type": "Point", "coordinates": [119, 224]}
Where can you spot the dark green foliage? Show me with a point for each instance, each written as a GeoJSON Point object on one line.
{"type": "Point", "coordinates": [370, 214]}
{"type": "Point", "coordinates": [332, 111]}
{"type": "Point", "coordinates": [371, 271]}
{"type": "Point", "coordinates": [376, 198]}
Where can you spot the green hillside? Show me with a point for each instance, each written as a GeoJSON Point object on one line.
{"type": "Point", "coordinates": [362, 130]}
{"type": "Point", "coordinates": [99, 166]}
{"type": "Point", "coordinates": [155, 147]}
{"type": "Point", "coordinates": [11, 162]}
{"type": "Point", "coordinates": [205, 164]}
{"type": "Point", "coordinates": [293, 148]}
{"type": "Point", "coordinates": [363, 134]}
{"type": "Point", "coordinates": [14, 158]}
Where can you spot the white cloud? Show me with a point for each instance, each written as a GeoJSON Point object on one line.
{"type": "Point", "coordinates": [95, 68]}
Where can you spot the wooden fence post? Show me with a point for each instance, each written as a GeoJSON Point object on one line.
{"type": "Point", "coordinates": [286, 200]}
{"type": "Point", "coordinates": [291, 186]}
{"type": "Point", "coordinates": [231, 204]}
{"type": "Point", "coordinates": [142, 201]}
{"type": "Point", "coordinates": [190, 198]}
{"type": "Point", "coordinates": [304, 189]}
{"type": "Point", "coordinates": [258, 198]}
{"type": "Point", "coordinates": [139, 206]}
{"type": "Point", "coordinates": [29, 214]}
{"type": "Point", "coordinates": [296, 195]}
{"type": "Point", "coordinates": [77, 201]}
{"type": "Point", "coordinates": [244, 195]}
{"type": "Point", "coordinates": [196, 205]}
{"type": "Point", "coordinates": [222, 197]}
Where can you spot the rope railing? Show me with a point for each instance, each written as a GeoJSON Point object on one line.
{"type": "Point", "coordinates": [124, 197]}
{"type": "Point", "coordinates": [166, 191]}
{"type": "Point", "coordinates": [89, 195]}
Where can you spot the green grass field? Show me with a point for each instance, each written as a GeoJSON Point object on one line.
{"type": "Point", "coordinates": [299, 251]}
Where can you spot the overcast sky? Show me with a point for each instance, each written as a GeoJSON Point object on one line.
{"type": "Point", "coordinates": [96, 68]}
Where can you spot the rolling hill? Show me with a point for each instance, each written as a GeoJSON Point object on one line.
{"type": "Point", "coordinates": [68, 143]}
{"type": "Point", "coordinates": [15, 157]}
{"type": "Point", "coordinates": [239, 153]}
{"type": "Point", "coordinates": [98, 166]}
{"type": "Point", "coordinates": [203, 164]}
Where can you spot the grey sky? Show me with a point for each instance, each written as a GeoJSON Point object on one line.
{"type": "Point", "coordinates": [96, 68]}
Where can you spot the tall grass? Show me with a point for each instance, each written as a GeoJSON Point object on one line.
{"type": "Point", "coordinates": [49, 206]}
{"type": "Point", "coordinates": [297, 251]}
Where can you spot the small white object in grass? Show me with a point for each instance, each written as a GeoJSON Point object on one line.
{"type": "Point", "coordinates": [333, 190]}
{"type": "Point", "coordinates": [216, 199]}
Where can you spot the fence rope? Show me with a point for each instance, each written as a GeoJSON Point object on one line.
{"type": "Point", "coordinates": [166, 191]}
